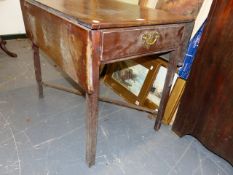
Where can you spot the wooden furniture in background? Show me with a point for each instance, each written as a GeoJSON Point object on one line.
{"type": "Point", "coordinates": [144, 89]}
{"type": "Point", "coordinates": [174, 101]}
{"type": "Point", "coordinates": [3, 47]}
{"type": "Point", "coordinates": [184, 7]}
{"type": "Point", "coordinates": [133, 79]}
{"type": "Point", "coordinates": [206, 109]}
{"type": "Point", "coordinates": [181, 7]}
{"type": "Point", "coordinates": [80, 36]}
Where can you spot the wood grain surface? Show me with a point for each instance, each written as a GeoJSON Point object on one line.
{"type": "Point", "coordinates": [79, 36]}
{"type": "Point", "coordinates": [100, 14]}
{"type": "Point", "coordinates": [206, 109]}
{"type": "Point", "coordinates": [114, 41]}
{"type": "Point", "coordinates": [64, 42]}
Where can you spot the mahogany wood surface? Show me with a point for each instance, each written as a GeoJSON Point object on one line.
{"type": "Point", "coordinates": [169, 38]}
{"type": "Point", "coordinates": [206, 109]}
{"type": "Point", "coordinates": [67, 45]}
{"type": "Point", "coordinates": [98, 14]}
{"type": "Point", "coordinates": [79, 36]}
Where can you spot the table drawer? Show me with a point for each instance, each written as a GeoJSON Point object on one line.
{"type": "Point", "coordinates": [121, 43]}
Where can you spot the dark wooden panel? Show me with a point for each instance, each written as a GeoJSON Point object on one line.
{"type": "Point", "coordinates": [97, 14]}
{"type": "Point", "coordinates": [64, 42]}
{"type": "Point", "coordinates": [206, 109]}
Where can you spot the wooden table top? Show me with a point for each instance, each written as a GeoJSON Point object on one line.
{"type": "Point", "coordinates": [102, 14]}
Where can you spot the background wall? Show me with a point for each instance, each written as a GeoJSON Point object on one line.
{"type": "Point", "coordinates": [130, 1]}
{"type": "Point", "coordinates": [202, 15]}
{"type": "Point", "coordinates": [11, 21]}
{"type": "Point", "coordinates": [150, 3]}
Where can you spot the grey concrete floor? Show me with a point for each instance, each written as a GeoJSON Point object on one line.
{"type": "Point", "coordinates": [47, 136]}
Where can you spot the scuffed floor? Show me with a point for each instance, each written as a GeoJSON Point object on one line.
{"type": "Point", "coordinates": [47, 136]}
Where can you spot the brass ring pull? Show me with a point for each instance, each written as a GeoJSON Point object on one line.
{"type": "Point", "coordinates": [150, 38]}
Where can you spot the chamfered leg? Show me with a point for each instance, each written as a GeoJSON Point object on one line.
{"type": "Point", "coordinates": [171, 70]}
{"type": "Point", "coordinates": [37, 67]}
{"type": "Point", "coordinates": [92, 120]}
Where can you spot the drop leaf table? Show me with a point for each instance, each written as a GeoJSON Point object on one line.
{"type": "Point", "coordinates": [80, 35]}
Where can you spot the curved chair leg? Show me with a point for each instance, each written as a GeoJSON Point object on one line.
{"type": "Point", "coordinates": [3, 47]}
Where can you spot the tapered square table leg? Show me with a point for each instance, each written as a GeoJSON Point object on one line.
{"type": "Point", "coordinates": [91, 126]}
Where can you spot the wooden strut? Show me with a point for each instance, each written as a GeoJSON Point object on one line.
{"type": "Point", "coordinates": [103, 99]}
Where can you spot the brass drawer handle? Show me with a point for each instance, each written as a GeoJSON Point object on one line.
{"type": "Point", "coordinates": [150, 38]}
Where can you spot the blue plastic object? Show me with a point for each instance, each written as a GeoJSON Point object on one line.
{"type": "Point", "coordinates": [190, 54]}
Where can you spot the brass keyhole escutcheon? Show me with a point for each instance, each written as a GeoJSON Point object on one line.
{"type": "Point", "coordinates": [150, 38]}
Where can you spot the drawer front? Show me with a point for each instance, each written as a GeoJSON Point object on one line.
{"type": "Point", "coordinates": [122, 43]}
